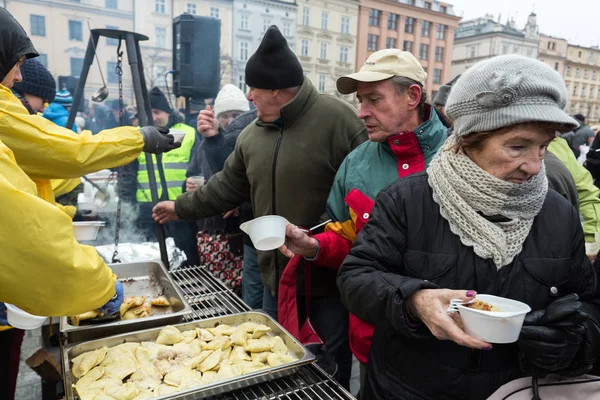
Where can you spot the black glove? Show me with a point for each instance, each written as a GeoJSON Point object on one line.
{"type": "Point", "coordinates": [157, 140]}
{"type": "Point", "coordinates": [550, 339]}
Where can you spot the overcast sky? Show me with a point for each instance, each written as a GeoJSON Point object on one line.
{"type": "Point", "coordinates": [578, 21]}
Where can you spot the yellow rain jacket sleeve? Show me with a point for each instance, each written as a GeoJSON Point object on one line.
{"type": "Point", "coordinates": [45, 150]}
{"type": "Point", "coordinates": [64, 186]}
{"type": "Point", "coordinates": [43, 269]}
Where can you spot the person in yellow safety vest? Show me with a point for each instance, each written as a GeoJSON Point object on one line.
{"type": "Point", "coordinates": [43, 270]}
{"type": "Point", "coordinates": [136, 186]}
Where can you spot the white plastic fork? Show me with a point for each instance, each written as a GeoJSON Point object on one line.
{"type": "Point", "coordinates": [453, 307]}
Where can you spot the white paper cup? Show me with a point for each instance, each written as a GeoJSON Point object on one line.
{"type": "Point", "coordinates": [86, 230]}
{"type": "Point", "coordinates": [198, 180]}
{"type": "Point", "coordinates": [21, 319]}
{"type": "Point", "coordinates": [495, 327]}
{"type": "Point", "coordinates": [266, 233]}
{"type": "Point", "coordinates": [178, 135]}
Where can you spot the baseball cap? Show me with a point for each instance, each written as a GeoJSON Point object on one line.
{"type": "Point", "coordinates": [382, 65]}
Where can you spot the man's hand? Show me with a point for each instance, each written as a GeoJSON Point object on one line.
{"type": "Point", "coordinates": [190, 185]}
{"type": "Point", "coordinates": [164, 212]}
{"type": "Point", "coordinates": [297, 241]}
{"type": "Point", "coordinates": [235, 212]}
{"type": "Point", "coordinates": [207, 124]}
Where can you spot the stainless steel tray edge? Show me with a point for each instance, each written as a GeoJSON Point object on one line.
{"type": "Point", "coordinates": [214, 388]}
{"type": "Point", "coordinates": [89, 332]}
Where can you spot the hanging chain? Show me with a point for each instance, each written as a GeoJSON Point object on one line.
{"type": "Point", "coordinates": [119, 72]}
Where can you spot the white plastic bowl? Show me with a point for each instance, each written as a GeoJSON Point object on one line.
{"type": "Point", "coordinates": [86, 230]}
{"type": "Point", "coordinates": [178, 135]}
{"type": "Point", "coordinates": [266, 233]}
{"type": "Point", "coordinates": [21, 319]}
{"type": "Point", "coordinates": [495, 327]}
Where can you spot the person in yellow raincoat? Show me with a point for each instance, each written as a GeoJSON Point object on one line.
{"type": "Point", "coordinates": [43, 270]}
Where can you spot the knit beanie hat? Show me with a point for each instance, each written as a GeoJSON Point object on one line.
{"type": "Point", "coordinates": [507, 90]}
{"type": "Point", "coordinates": [441, 97]}
{"type": "Point", "coordinates": [158, 101]}
{"type": "Point", "coordinates": [274, 65]}
{"type": "Point", "coordinates": [37, 81]}
{"type": "Point", "coordinates": [64, 98]}
{"type": "Point", "coordinates": [14, 43]}
{"type": "Point", "coordinates": [230, 98]}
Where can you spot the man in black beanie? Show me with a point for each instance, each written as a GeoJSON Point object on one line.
{"type": "Point", "coordinates": [285, 162]}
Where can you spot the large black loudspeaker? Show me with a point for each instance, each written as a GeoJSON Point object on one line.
{"type": "Point", "coordinates": [196, 56]}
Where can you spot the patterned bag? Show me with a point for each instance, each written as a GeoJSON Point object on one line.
{"type": "Point", "coordinates": [216, 254]}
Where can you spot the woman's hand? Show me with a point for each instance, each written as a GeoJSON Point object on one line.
{"type": "Point", "coordinates": [430, 306]}
{"type": "Point", "coordinates": [297, 241]}
{"type": "Point", "coordinates": [164, 212]}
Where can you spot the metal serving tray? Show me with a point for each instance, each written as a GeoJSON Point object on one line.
{"type": "Point", "coordinates": [149, 279]}
{"type": "Point", "coordinates": [295, 348]}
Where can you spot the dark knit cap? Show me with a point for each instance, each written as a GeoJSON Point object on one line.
{"type": "Point", "coordinates": [579, 117]}
{"type": "Point", "coordinates": [158, 101]}
{"type": "Point", "coordinates": [442, 95]}
{"type": "Point", "coordinates": [274, 65]}
{"type": "Point", "coordinates": [37, 81]}
{"type": "Point", "coordinates": [14, 43]}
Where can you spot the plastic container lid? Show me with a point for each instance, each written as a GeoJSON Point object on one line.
{"type": "Point", "coordinates": [86, 230]}
{"type": "Point", "coordinates": [267, 233]}
{"type": "Point", "coordinates": [21, 319]}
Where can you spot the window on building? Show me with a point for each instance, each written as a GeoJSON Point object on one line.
{"type": "Point", "coordinates": [344, 54]}
{"type": "Point", "coordinates": [556, 66]}
{"type": "Point", "coordinates": [287, 29]}
{"type": "Point", "coordinates": [437, 76]}
{"type": "Point", "coordinates": [191, 8]}
{"type": "Point", "coordinates": [390, 43]}
{"type": "Point", "coordinates": [473, 51]}
{"type": "Point", "coordinates": [111, 4]}
{"type": "Point", "coordinates": [580, 54]}
{"type": "Point", "coordinates": [410, 2]}
{"type": "Point", "coordinates": [244, 51]}
{"type": "Point", "coordinates": [441, 32]}
{"type": "Point", "coordinates": [568, 71]}
{"type": "Point", "coordinates": [594, 75]}
{"type": "Point", "coordinates": [75, 30]}
{"type": "Point", "coordinates": [583, 90]}
{"type": "Point", "coordinates": [322, 82]}
{"type": "Point", "coordinates": [577, 72]}
{"type": "Point", "coordinates": [43, 58]}
{"type": "Point", "coordinates": [374, 17]}
{"type": "Point", "coordinates": [574, 90]}
{"type": "Point", "coordinates": [439, 54]}
{"type": "Point", "coordinates": [215, 12]}
{"type": "Point", "coordinates": [242, 84]}
{"type": "Point", "coordinates": [244, 22]}
{"type": "Point", "coordinates": [324, 17]}
{"type": "Point", "coordinates": [111, 41]}
{"type": "Point", "coordinates": [306, 16]}
{"type": "Point", "coordinates": [372, 42]}
{"type": "Point", "coordinates": [408, 46]}
{"type": "Point", "coordinates": [323, 53]}
{"type": "Point", "coordinates": [598, 94]}
{"type": "Point", "coordinates": [428, 5]}
{"type": "Point", "coordinates": [38, 25]}
{"type": "Point", "coordinates": [76, 66]}
{"type": "Point", "coordinates": [423, 51]}
{"type": "Point", "coordinates": [592, 92]}
{"type": "Point", "coordinates": [161, 37]}
{"type": "Point", "coordinates": [585, 74]}
{"type": "Point", "coordinates": [304, 48]}
{"type": "Point", "coordinates": [393, 22]}
{"type": "Point", "coordinates": [160, 6]}
{"type": "Point", "coordinates": [425, 26]}
{"type": "Point", "coordinates": [410, 25]}
{"type": "Point", "coordinates": [443, 9]}
{"type": "Point", "coordinates": [266, 25]}
{"type": "Point", "coordinates": [111, 73]}
{"type": "Point", "coordinates": [345, 28]}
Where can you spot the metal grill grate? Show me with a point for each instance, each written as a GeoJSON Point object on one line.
{"type": "Point", "coordinates": [207, 295]}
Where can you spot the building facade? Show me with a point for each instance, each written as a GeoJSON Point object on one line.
{"type": "Point", "coordinates": [553, 51]}
{"type": "Point", "coordinates": [483, 38]}
{"type": "Point", "coordinates": [59, 31]}
{"type": "Point", "coordinates": [425, 28]}
{"type": "Point", "coordinates": [327, 39]}
{"type": "Point", "coordinates": [251, 19]}
{"type": "Point", "coordinates": [582, 76]}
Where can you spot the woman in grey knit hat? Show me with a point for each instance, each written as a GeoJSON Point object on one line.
{"type": "Point", "coordinates": [480, 220]}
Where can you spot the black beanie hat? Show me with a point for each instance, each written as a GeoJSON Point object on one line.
{"type": "Point", "coordinates": [158, 101]}
{"type": "Point", "coordinates": [14, 43]}
{"type": "Point", "coordinates": [274, 65]}
{"type": "Point", "coordinates": [442, 95]}
{"type": "Point", "coordinates": [37, 81]}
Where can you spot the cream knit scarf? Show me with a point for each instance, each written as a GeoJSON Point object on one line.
{"type": "Point", "coordinates": [462, 189]}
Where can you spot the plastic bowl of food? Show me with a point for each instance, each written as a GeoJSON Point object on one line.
{"type": "Point", "coordinates": [86, 230]}
{"type": "Point", "coordinates": [267, 233]}
{"type": "Point", "coordinates": [494, 319]}
{"type": "Point", "coordinates": [21, 319]}
{"type": "Point", "coordinates": [178, 134]}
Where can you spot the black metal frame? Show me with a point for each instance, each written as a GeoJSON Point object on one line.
{"type": "Point", "coordinates": [134, 57]}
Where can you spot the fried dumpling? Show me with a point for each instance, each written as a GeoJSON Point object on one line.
{"type": "Point", "coordinates": [191, 379]}
{"type": "Point", "coordinates": [160, 301]}
{"type": "Point", "coordinates": [211, 361]}
{"type": "Point", "coordinates": [277, 359]}
{"type": "Point", "coordinates": [250, 366]}
{"type": "Point", "coordinates": [219, 342]}
{"type": "Point", "coordinates": [225, 353]}
{"type": "Point", "coordinates": [195, 361]}
{"type": "Point", "coordinates": [204, 334]}
{"type": "Point", "coordinates": [174, 378]}
{"type": "Point", "coordinates": [278, 344]}
{"type": "Point", "coordinates": [119, 359]}
{"type": "Point", "coordinates": [163, 390]}
{"type": "Point", "coordinates": [188, 336]}
{"type": "Point", "coordinates": [76, 319]}
{"type": "Point", "coordinates": [83, 363]}
{"type": "Point", "coordinates": [239, 337]}
{"type": "Point", "coordinates": [104, 383]}
{"type": "Point", "coordinates": [181, 349]}
{"type": "Point", "coordinates": [92, 376]}
{"type": "Point", "coordinates": [144, 396]}
{"type": "Point", "coordinates": [169, 335]}
{"type": "Point", "coordinates": [196, 346]}
{"type": "Point", "coordinates": [248, 327]}
{"type": "Point", "coordinates": [222, 330]}
{"type": "Point", "coordinates": [258, 345]}
{"type": "Point", "coordinates": [261, 356]}
{"type": "Point", "coordinates": [143, 355]}
{"type": "Point", "coordinates": [260, 331]}
{"type": "Point", "coordinates": [239, 353]}
{"type": "Point", "coordinates": [163, 366]}
{"type": "Point", "coordinates": [229, 370]}
{"type": "Point", "coordinates": [137, 312]}
{"type": "Point", "coordinates": [146, 377]}
{"type": "Point", "coordinates": [209, 377]}
{"type": "Point", "coordinates": [118, 372]}
{"type": "Point", "coordinates": [85, 393]}
{"type": "Point", "coordinates": [124, 392]}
